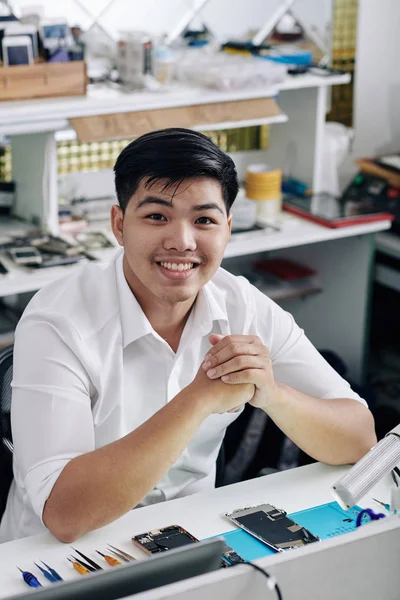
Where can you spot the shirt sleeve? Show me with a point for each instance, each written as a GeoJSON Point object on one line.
{"type": "Point", "coordinates": [51, 405]}
{"type": "Point", "coordinates": [296, 362]}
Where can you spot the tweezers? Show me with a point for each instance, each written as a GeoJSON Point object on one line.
{"type": "Point", "coordinates": [121, 554]}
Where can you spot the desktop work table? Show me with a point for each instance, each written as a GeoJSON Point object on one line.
{"type": "Point", "coordinates": [202, 515]}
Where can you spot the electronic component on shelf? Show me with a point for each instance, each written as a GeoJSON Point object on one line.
{"type": "Point", "coordinates": [55, 33]}
{"type": "Point", "coordinates": [16, 29]}
{"type": "Point", "coordinates": [56, 245]}
{"type": "Point", "coordinates": [93, 240]}
{"type": "Point", "coordinates": [356, 206]}
{"type": "Point", "coordinates": [25, 255]}
{"type": "Point", "coordinates": [56, 260]}
{"type": "Point", "coordinates": [3, 269]}
{"type": "Point", "coordinates": [272, 526]}
{"type": "Point", "coordinates": [17, 50]}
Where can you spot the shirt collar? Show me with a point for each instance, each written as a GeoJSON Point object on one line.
{"type": "Point", "coordinates": [134, 322]}
{"type": "Point", "coordinates": [210, 306]}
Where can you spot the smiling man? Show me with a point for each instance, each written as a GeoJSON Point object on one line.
{"type": "Point", "coordinates": [126, 376]}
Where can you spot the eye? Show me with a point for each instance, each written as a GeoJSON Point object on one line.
{"type": "Point", "coordinates": [156, 217]}
{"type": "Point", "coordinates": [205, 221]}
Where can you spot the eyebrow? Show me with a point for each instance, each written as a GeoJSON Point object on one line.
{"type": "Point", "coordinates": [168, 203]}
{"type": "Point", "coordinates": [154, 200]}
{"type": "Point", "coordinates": [212, 206]}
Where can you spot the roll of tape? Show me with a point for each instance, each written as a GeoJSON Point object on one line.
{"type": "Point", "coordinates": [263, 182]}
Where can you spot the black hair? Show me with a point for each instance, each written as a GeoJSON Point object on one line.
{"type": "Point", "coordinates": [174, 155]}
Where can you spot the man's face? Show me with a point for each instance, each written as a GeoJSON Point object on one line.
{"type": "Point", "coordinates": [174, 240]}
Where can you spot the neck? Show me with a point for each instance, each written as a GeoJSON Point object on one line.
{"type": "Point", "coordinates": [167, 318]}
{"type": "Point", "coordinates": [169, 324]}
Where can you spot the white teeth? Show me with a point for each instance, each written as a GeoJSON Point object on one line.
{"type": "Point", "coordinates": [177, 267]}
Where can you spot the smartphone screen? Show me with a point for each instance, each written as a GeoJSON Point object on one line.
{"type": "Point", "coordinates": [273, 527]}
{"type": "Point", "coordinates": [17, 55]}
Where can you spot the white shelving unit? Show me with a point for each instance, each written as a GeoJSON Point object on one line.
{"type": "Point", "coordinates": [334, 319]}
{"type": "Point", "coordinates": [296, 134]}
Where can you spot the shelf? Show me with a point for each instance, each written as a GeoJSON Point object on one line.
{"type": "Point", "coordinates": [294, 232]}
{"type": "Point", "coordinates": [295, 289]}
{"type": "Point", "coordinates": [388, 243]}
{"type": "Point", "coordinates": [51, 115]}
{"type": "Point", "coordinates": [387, 277]}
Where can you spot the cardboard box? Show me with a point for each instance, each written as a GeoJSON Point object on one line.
{"type": "Point", "coordinates": [43, 80]}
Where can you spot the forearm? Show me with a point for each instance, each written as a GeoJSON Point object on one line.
{"type": "Point", "coordinates": [337, 431]}
{"type": "Point", "coordinates": [98, 487]}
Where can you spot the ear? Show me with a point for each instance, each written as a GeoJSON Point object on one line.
{"type": "Point", "coordinates": [230, 222]}
{"type": "Point", "coordinates": [117, 222]}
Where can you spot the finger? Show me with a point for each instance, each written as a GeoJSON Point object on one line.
{"type": "Point", "coordinates": [232, 350]}
{"type": "Point", "coordinates": [255, 376]}
{"type": "Point", "coordinates": [229, 339]}
{"type": "Point", "coordinates": [214, 338]}
{"type": "Point", "coordinates": [239, 363]}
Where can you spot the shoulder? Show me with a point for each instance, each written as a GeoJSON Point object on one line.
{"type": "Point", "coordinates": [251, 312]}
{"type": "Point", "coordinates": [86, 299]}
{"type": "Point", "coordinates": [238, 291]}
{"type": "Point", "coordinates": [240, 299]}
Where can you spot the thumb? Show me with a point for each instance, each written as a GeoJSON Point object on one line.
{"type": "Point", "coordinates": [214, 338]}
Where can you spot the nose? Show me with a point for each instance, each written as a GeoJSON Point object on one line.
{"type": "Point", "coordinates": [180, 237]}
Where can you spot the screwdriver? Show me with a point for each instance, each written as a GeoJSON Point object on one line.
{"type": "Point", "coordinates": [30, 579]}
{"type": "Point", "coordinates": [46, 573]}
{"type": "Point", "coordinates": [52, 571]}
{"type": "Point", "coordinates": [385, 506]}
{"type": "Point", "coordinates": [81, 570]}
{"type": "Point", "coordinates": [113, 562]}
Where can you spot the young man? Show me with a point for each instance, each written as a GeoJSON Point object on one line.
{"type": "Point", "coordinates": [126, 376]}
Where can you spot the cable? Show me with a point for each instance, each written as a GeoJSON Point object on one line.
{"type": "Point", "coordinates": [393, 474]}
{"type": "Point", "coordinates": [372, 515]}
{"type": "Point", "coordinates": [271, 581]}
{"type": "Point", "coordinates": [396, 471]}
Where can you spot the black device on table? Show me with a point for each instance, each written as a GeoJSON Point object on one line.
{"type": "Point", "coordinates": [160, 540]}
{"type": "Point", "coordinates": [377, 192]}
{"type": "Point", "coordinates": [333, 212]}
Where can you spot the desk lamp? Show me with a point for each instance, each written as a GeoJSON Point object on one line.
{"type": "Point", "coordinates": [377, 463]}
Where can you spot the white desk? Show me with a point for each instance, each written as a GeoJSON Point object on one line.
{"type": "Point", "coordinates": [201, 514]}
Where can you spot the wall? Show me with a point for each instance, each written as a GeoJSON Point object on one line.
{"type": "Point", "coordinates": [159, 16]}
{"type": "Point", "coordinates": [377, 85]}
{"type": "Point", "coordinates": [377, 89]}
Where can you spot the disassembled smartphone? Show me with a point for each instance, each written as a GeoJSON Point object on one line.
{"type": "Point", "coordinates": [160, 540]}
{"type": "Point", "coordinates": [174, 536]}
{"type": "Point", "coordinates": [272, 526]}
{"type": "Point", "coordinates": [25, 255]}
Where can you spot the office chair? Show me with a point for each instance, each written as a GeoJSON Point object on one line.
{"type": "Point", "coordinates": [6, 445]}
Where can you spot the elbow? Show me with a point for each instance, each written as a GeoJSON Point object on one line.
{"type": "Point", "coordinates": [367, 441]}
{"type": "Point", "coordinates": [61, 527]}
{"type": "Point", "coordinates": [363, 438]}
{"type": "Point", "coordinates": [357, 443]}
{"type": "Point", "coordinates": [366, 437]}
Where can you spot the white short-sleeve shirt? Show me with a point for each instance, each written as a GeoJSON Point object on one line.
{"type": "Point", "coordinates": [89, 368]}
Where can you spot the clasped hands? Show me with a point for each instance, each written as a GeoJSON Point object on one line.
{"type": "Point", "coordinates": [238, 359]}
